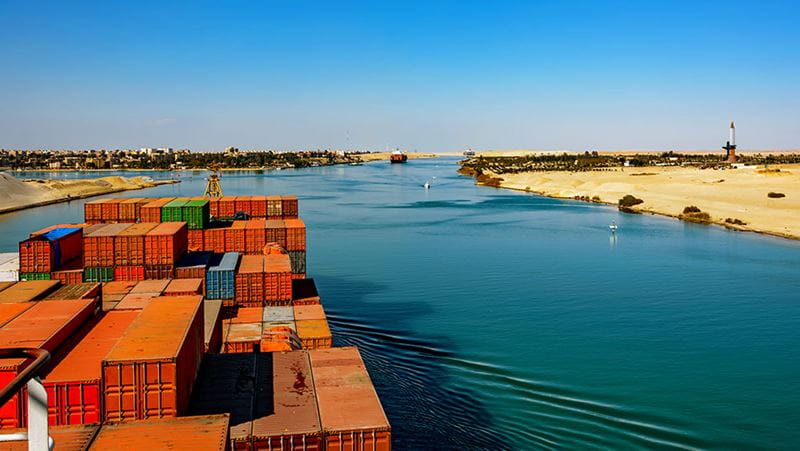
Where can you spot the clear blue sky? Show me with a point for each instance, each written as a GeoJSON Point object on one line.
{"type": "Point", "coordinates": [433, 75]}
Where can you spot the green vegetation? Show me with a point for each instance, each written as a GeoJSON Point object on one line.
{"type": "Point", "coordinates": [628, 201]}
{"type": "Point", "coordinates": [735, 221]}
{"type": "Point", "coordinates": [694, 214]}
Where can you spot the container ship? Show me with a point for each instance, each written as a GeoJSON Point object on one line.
{"type": "Point", "coordinates": [170, 324]}
{"type": "Point", "coordinates": [398, 157]}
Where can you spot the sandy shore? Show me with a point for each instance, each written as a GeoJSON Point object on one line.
{"type": "Point", "coordinates": [734, 193]}
{"type": "Point", "coordinates": [16, 194]}
{"type": "Point", "coordinates": [384, 156]}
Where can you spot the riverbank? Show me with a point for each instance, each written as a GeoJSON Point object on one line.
{"type": "Point", "coordinates": [734, 198]}
{"type": "Point", "coordinates": [18, 194]}
{"type": "Point", "coordinates": [384, 156]}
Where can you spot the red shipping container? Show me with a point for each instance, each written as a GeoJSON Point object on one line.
{"type": "Point", "coordinates": [227, 206]}
{"type": "Point", "coordinates": [258, 207]}
{"type": "Point", "coordinates": [213, 206]}
{"type": "Point", "coordinates": [129, 272]}
{"type": "Point", "coordinates": [110, 210]}
{"type": "Point", "coordinates": [295, 235]}
{"type": "Point", "coordinates": [242, 203]}
{"type": "Point", "coordinates": [151, 212]}
{"type": "Point", "coordinates": [249, 281]}
{"type": "Point", "coordinates": [45, 325]}
{"type": "Point", "coordinates": [297, 276]}
{"type": "Point", "coordinates": [68, 276]}
{"type": "Point", "coordinates": [214, 240]}
{"type": "Point", "coordinates": [197, 433]}
{"type": "Point", "coordinates": [274, 207]}
{"type": "Point", "coordinates": [98, 245]}
{"type": "Point", "coordinates": [129, 244]}
{"type": "Point", "coordinates": [195, 238]}
{"type": "Point", "coordinates": [93, 211]}
{"type": "Point", "coordinates": [74, 385]}
{"type": "Point", "coordinates": [47, 251]}
{"type": "Point", "coordinates": [165, 244]}
{"type": "Point", "coordinates": [276, 232]}
{"type": "Point", "coordinates": [234, 237]}
{"type": "Point", "coordinates": [158, 272]}
{"type": "Point", "coordinates": [289, 207]}
{"type": "Point", "coordinates": [255, 236]}
{"type": "Point", "coordinates": [150, 372]}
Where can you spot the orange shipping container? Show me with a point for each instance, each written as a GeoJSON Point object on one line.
{"type": "Point", "coordinates": [242, 203]}
{"type": "Point", "coordinates": [165, 244]}
{"type": "Point", "coordinates": [74, 385]}
{"type": "Point", "coordinates": [151, 370]}
{"type": "Point", "coordinates": [289, 206]}
{"type": "Point", "coordinates": [255, 236]}
{"type": "Point", "coordinates": [129, 209]}
{"type": "Point", "coordinates": [258, 207]}
{"type": "Point", "coordinates": [153, 287]}
{"type": "Point", "coordinates": [195, 238]}
{"type": "Point", "coordinates": [243, 337]}
{"type": "Point", "coordinates": [110, 210]}
{"type": "Point", "coordinates": [129, 272]}
{"type": "Point", "coordinates": [234, 237]}
{"type": "Point", "coordinates": [227, 206]}
{"type": "Point", "coordinates": [45, 325]}
{"type": "Point", "coordinates": [350, 412]}
{"type": "Point", "coordinates": [151, 211]}
{"type": "Point", "coordinates": [30, 290]}
{"type": "Point", "coordinates": [295, 235]}
{"type": "Point", "coordinates": [314, 334]}
{"type": "Point", "coordinates": [69, 438]}
{"type": "Point", "coordinates": [213, 206]}
{"type": "Point", "coordinates": [214, 240]}
{"type": "Point", "coordinates": [11, 311]}
{"type": "Point", "coordinates": [200, 433]}
{"type": "Point", "coordinates": [184, 287]}
{"type": "Point", "coordinates": [313, 311]}
{"type": "Point", "coordinates": [213, 325]}
{"type": "Point", "coordinates": [249, 281]}
{"type": "Point", "coordinates": [98, 246]}
{"type": "Point", "coordinates": [278, 279]}
{"type": "Point", "coordinates": [93, 211]}
{"type": "Point", "coordinates": [71, 273]}
{"type": "Point", "coordinates": [118, 287]}
{"type": "Point", "coordinates": [134, 301]}
{"type": "Point", "coordinates": [247, 315]}
{"type": "Point", "coordinates": [75, 291]}
{"type": "Point", "coordinates": [129, 244]}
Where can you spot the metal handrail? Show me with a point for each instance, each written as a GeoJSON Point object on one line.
{"type": "Point", "coordinates": [40, 357]}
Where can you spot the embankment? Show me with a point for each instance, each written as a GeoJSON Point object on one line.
{"type": "Point", "coordinates": [735, 198]}
{"type": "Point", "coordinates": [18, 194]}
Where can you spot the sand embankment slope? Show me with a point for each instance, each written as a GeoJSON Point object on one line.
{"type": "Point", "coordinates": [384, 156]}
{"type": "Point", "coordinates": [18, 194]}
{"type": "Point", "coordinates": [732, 193]}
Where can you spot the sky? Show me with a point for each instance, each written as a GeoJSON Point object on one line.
{"type": "Point", "coordinates": [436, 76]}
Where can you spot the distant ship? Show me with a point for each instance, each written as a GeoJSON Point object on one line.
{"type": "Point", "coordinates": [398, 157]}
{"type": "Point", "coordinates": [469, 153]}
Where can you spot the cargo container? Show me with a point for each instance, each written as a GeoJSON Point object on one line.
{"type": "Point", "coordinates": [157, 272]}
{"type": "Point", "coordinates": [249, 290]}
{"type": "Point", "coordinates": [152, 287]}
{"type": "Point", "coordinates": [234, 237]}
{"type": "Point", "coordinates": [274, 207]}
{"type": "Point", "coordinates": [69, 273]}
{"type": "Point", "coordinates": [130, 209]}
{"type": "Point", "coordinates": [73, 386]}
{"type": "Point", "coordinates": [76, 291]}
{"type": "Point", "coordinates": [314, 334]}
{"type": "Point", "coordinates": [195, 240]}
{"type": "Point", "coordinates": [247, 315]}
{"type": "Point", "coordinates": [309, 312]}
{"type": "Point", "coordinates": [98, 245]}
{"type": "Point", "coordinates": [193, 265]}
{"type": "Point", "coordinates": [255, 235]}
{"type": "Point", "coordinates": [214, 237]}
{"type": "Point", "coordinates": [45, 325]}
{"type": "Point", "coordinates": [165, 244]}
{"type": "Point", "coordinates": [304, 292]}
{"type": "Point", "coordinates": [110, 210]}
{"type": "Point", "coordinates": [98, 274]}
{"type": "Point", "coordinates": [135, 301]}
{"type": "Point", "coordinates": [277, 280]}
{"type": "Point", "coordinates": [184, 287]}
{"type": "Point", "coordinates": [93, 211]}
{"type": "Point", "coordinates": [243, 337]}
{"type": "Point", "coordinates": [50, 250]}
{"type": "Point", "coordinates": [220, 277]}
{"type": "Point", "coordinates": [11, 311]}
{"type": "Point", "coordinates": [213, 206]}
{"type": "Point", "coordinates": [258, 207]}
{"type": "Point", "coordinates": [242, 204]}
{"type": "Point", "coordinates": [298, 261]}
{"type": "Point", "coordinates": [58, 226]}
{"type": "Point", "coordinates": [198, 433]}
{"type": "Point", "coordinates": [6, 284]}
{"type": "Point", "coordinates": [151, 211]}
{"type": "Point", "coordinates": [213, 325]}
{"type": "Point", "coordinates": [121, 287]}
{"type": "Point", "coordinates": [275, 313]}
{"type": "Point", "coordinates": [276, 232]}
{"type": "Point", "coordinates": [129, 272]}
{"type": "Point", "coordinates": [350, 412]}
{"type": "Point", "coordinates": [150, 372]}
{"type": "Point", "coordinates": [279, 337]}
{"type": "Point", "coordinates": [129, 244]}
{"type": "Point", "coordinates": [33, 290]}
{"type": "Point", "coordinates": [23, 276]}
{"type": "Point", "coordinates": [171, 211]}
{"type": "Point", "coordinates": [69, 438]}
{"type": "Point", "coordinates": [9, 267]}
{"type": "Point", "coordinates": [295, 235]}
{"type": "Point", "coordinates": [226, 207]}
{"type": "Point", "coordinates": [289, 207]}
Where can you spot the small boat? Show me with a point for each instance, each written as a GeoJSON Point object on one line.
{"type": "Point", "coordinates": [398, 157]}
{"type": "Point", "coordinates": [427, 185]}
{"type": "Point", "coordinates": [356, 163]}
{"type": "Point", "coordinates": [469, 153]}
{"type": "Point", "coordinates": [613, 227]}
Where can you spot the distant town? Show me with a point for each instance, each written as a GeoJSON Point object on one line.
{"type": "Point", "coordinates": [170, 159]}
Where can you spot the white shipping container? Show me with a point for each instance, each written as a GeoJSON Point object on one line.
{"type": "Point", "coordinates": [9, 267]}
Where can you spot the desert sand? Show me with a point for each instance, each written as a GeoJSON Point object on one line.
{"type": "Point", "coordinates": [17, 194]}
{"type": "Point", "coordinates": [732, 193]}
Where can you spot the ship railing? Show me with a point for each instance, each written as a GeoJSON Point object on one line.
{"type": "Point", "coordinates": [37, 435]}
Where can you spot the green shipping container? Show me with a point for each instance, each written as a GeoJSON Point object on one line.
{"type": "Point", "coordinates": [34, 276]}
{"type": "Point", "coordinates": [172, 211]}
{"type": "Point", "coordinates": [98, 274]}
{"type": "Point", "coordinates": [196, 213]}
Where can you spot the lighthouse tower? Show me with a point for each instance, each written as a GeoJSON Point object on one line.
{"type": "Point", "coordinates": [730, 146]}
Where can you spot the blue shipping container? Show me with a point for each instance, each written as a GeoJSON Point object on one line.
{"type": "Point", "coordinates": [220, 277]}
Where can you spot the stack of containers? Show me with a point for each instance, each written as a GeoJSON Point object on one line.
{"type": "Point", "coordinates": [47, 252]}
{"type": "Point", "coordinates": [249, 281]}
{"type": "Point", "coordinates": [130, 209]}
{"type": "Point", "coordinates": [129, 251]}
{"type": "Point", "coordinates": [93, 211]}
{"type": "Point", "coordinates": [242, 203]}
{"type": "Point", "coordinates": [151, 211]}
{"type": "Point", "coordinates": [164, 245]}
{"type": "Point", "coordinates": [98, 252]}
{"type": "Point", "coordinates": [46, 325]}
{"type": "Point", "coordinates": [276, 232]}
{"type": "Point", "coordinates": [151, 370]}
{"type": "Point", "coordinates": [220, 278]}
{"type": "Point", "coordinates": [343, 385]}
{"type": "Point", "coordinates": [255, 236]}
{"type": "Point", "coordinates": [110, 209]}
{"type": "Point", "coordinates": [312, 326]}
{"type": "Point", "coordinates": [243, 332]}
{"type": "Point", "coordinates": [235, 237]}
{"type": "Point", "coordinates": [213, 206]}
{"type": "Point", "coordinates": [279, 332]}
{"type": "Point", "coordinates": [113, 292]}
{"type": "Point", "coordinates": [258, 207]}
{"type": "Point", "coordinates": [74, 385]}
{"type": "Point", "coordinates": [278, 279]}
{"type": "Point", "coordinates": [214, 238]}
{"type": "Point", "coordinates": [226, 207]}
{"type": "Point", "coordinates": [296, 246]}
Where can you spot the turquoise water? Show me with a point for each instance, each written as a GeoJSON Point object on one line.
{"type": "Point", "coordinates": [491, 318]}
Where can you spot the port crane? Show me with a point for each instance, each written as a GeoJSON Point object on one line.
{"type": "Point", "coordinates": [213, 187]}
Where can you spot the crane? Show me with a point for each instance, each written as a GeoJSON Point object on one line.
{"type": "Point", "coordinates": [213, 187]}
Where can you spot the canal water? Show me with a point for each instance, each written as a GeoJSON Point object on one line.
{"type": "Point", "coordinates": [497, 319]}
